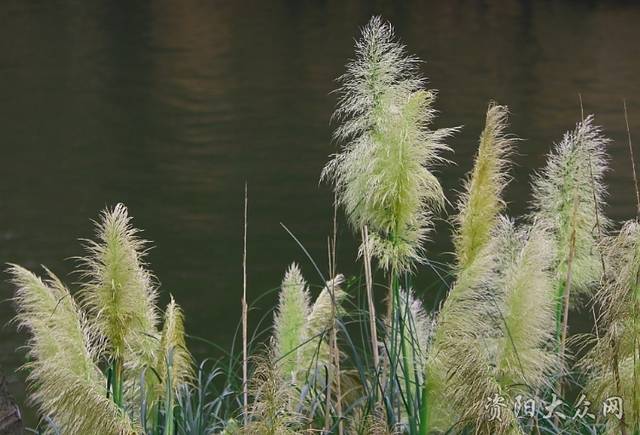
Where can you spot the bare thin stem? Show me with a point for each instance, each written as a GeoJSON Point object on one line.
{"type": "Point", "coordinates": [633, 161]}
{"type": "Point", "coordinates": [245, 385]}
{"type": "Point", "coordinates": [327, 412]}
{"type": "Point", "coordinates": [595, 197]}
{"type": "Point", "coordinates": [334, 335]}
{"type": "Point", "coordinates": [335, 232]}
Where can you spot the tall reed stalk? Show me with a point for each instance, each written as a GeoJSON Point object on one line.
{"type": "Point", "coordinates": [568, 199]}
{"type": "Point", "coordinates": [245, 314]}
{"type": "Point", "coordinates": [382, 176]}
{"type": "Point", "coordinates": [478, 209]}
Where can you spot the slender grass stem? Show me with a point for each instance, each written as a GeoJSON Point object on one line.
{"type": "Point", "coordinates": [633, 163]}
{"type": "Point", "coordinates": [636, 366]}
{"type": "Point", "coordinates": [245, 385]}
{"type": "Point", "coordinates": [334, 332]}
{"type": "Point", "coordinates": [335, 356]}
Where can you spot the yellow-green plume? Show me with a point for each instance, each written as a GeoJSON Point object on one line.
{"type": "Point", "coordinates": [289, 322]}
{"type": "Point", "coordinates": [612, 363]}
{"type": "Point", "coordinates": [523, 354]}
{"type": "Point", "coordinates": [66, 384]}
{"type": "Point", "coordinates": [172, 341]}
{"type": "Point", "coordinates": [120, 294]}
{"type": "Point", "coordinates": [568, 198]}
{"type": "Point", "coordinates": [481, 201]}
{"type": "Point", "coordinates": [383, 175]}
{"type": "Point", "coordinates": [315, 355]}
{"type": "Point", "coordinates": [514, 359]}
{"type": "Point", "coordinates": [493, 332]}
{"type": "Point", "coordinates": [271, 411]}
{"type": "Point", "coordinates": [365, 422]}
{"type": "Point", "coordinates": [465, 313]}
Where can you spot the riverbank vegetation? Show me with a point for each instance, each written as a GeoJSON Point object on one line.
{"type": "Point", "coordinates": [495, 357]}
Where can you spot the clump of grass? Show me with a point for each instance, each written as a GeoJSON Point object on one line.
{"type": "Point", "coordinates": [302, 355]}
{"type": "Point", "coordinates": [271, 412]}
{"type": "Point", "coordinates": [492, 329]}
{"type": "Point", "coordinates": [612, 363]}
{"type": "Point", "coordinates": [493, 336]}
{"type": "Point", "coordinates": [201, 405]}
{"type": "Point", "coordinates": [466, 313]}
{"type": "Point", "coordinates": [66, 383]}
{"type": "Point", "coordinates": [120, 293]}
{"type": "Point", "coordinates": [114, 325]}
{"type": "Point", "coordinates": [174, 367]}
{"type": "Point", "coordinates": [515, 359]}
{"type": "Point", "coordinates": [363, 423]}
{"type": "Point", "coordinates": [523, 357]}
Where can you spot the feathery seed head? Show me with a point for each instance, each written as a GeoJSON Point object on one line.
{"type": "Point", "coordinates": [457, 357]}
{"type": "Point", "coordinates": [120, 294]}
{"type": "Point", "coordinates": [172, 340]}
{"type": "Point", "coordinates": [271, 412]}
{"type": "Point", "coordinates": [289, 321]}
{"type": "Point", "coordinates": [382, 176]}
{"type": "Point", "coordinates": [315, 354]}
{"type": "Point", "coordinates": [526, 292]}
{"type": "Point", "coordinates": [612, 362]}
{"type": "Point", "coordinates": [66, 383]}
{"type": "Point", "coordinates": [493, 329]}
{"type": "Point", "coordinates": [568, 198]}
{"type": "Point", "coordinates": [481, 201]}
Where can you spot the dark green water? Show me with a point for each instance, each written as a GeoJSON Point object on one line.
{"type": "Point", "coordinates": [170, 106]}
